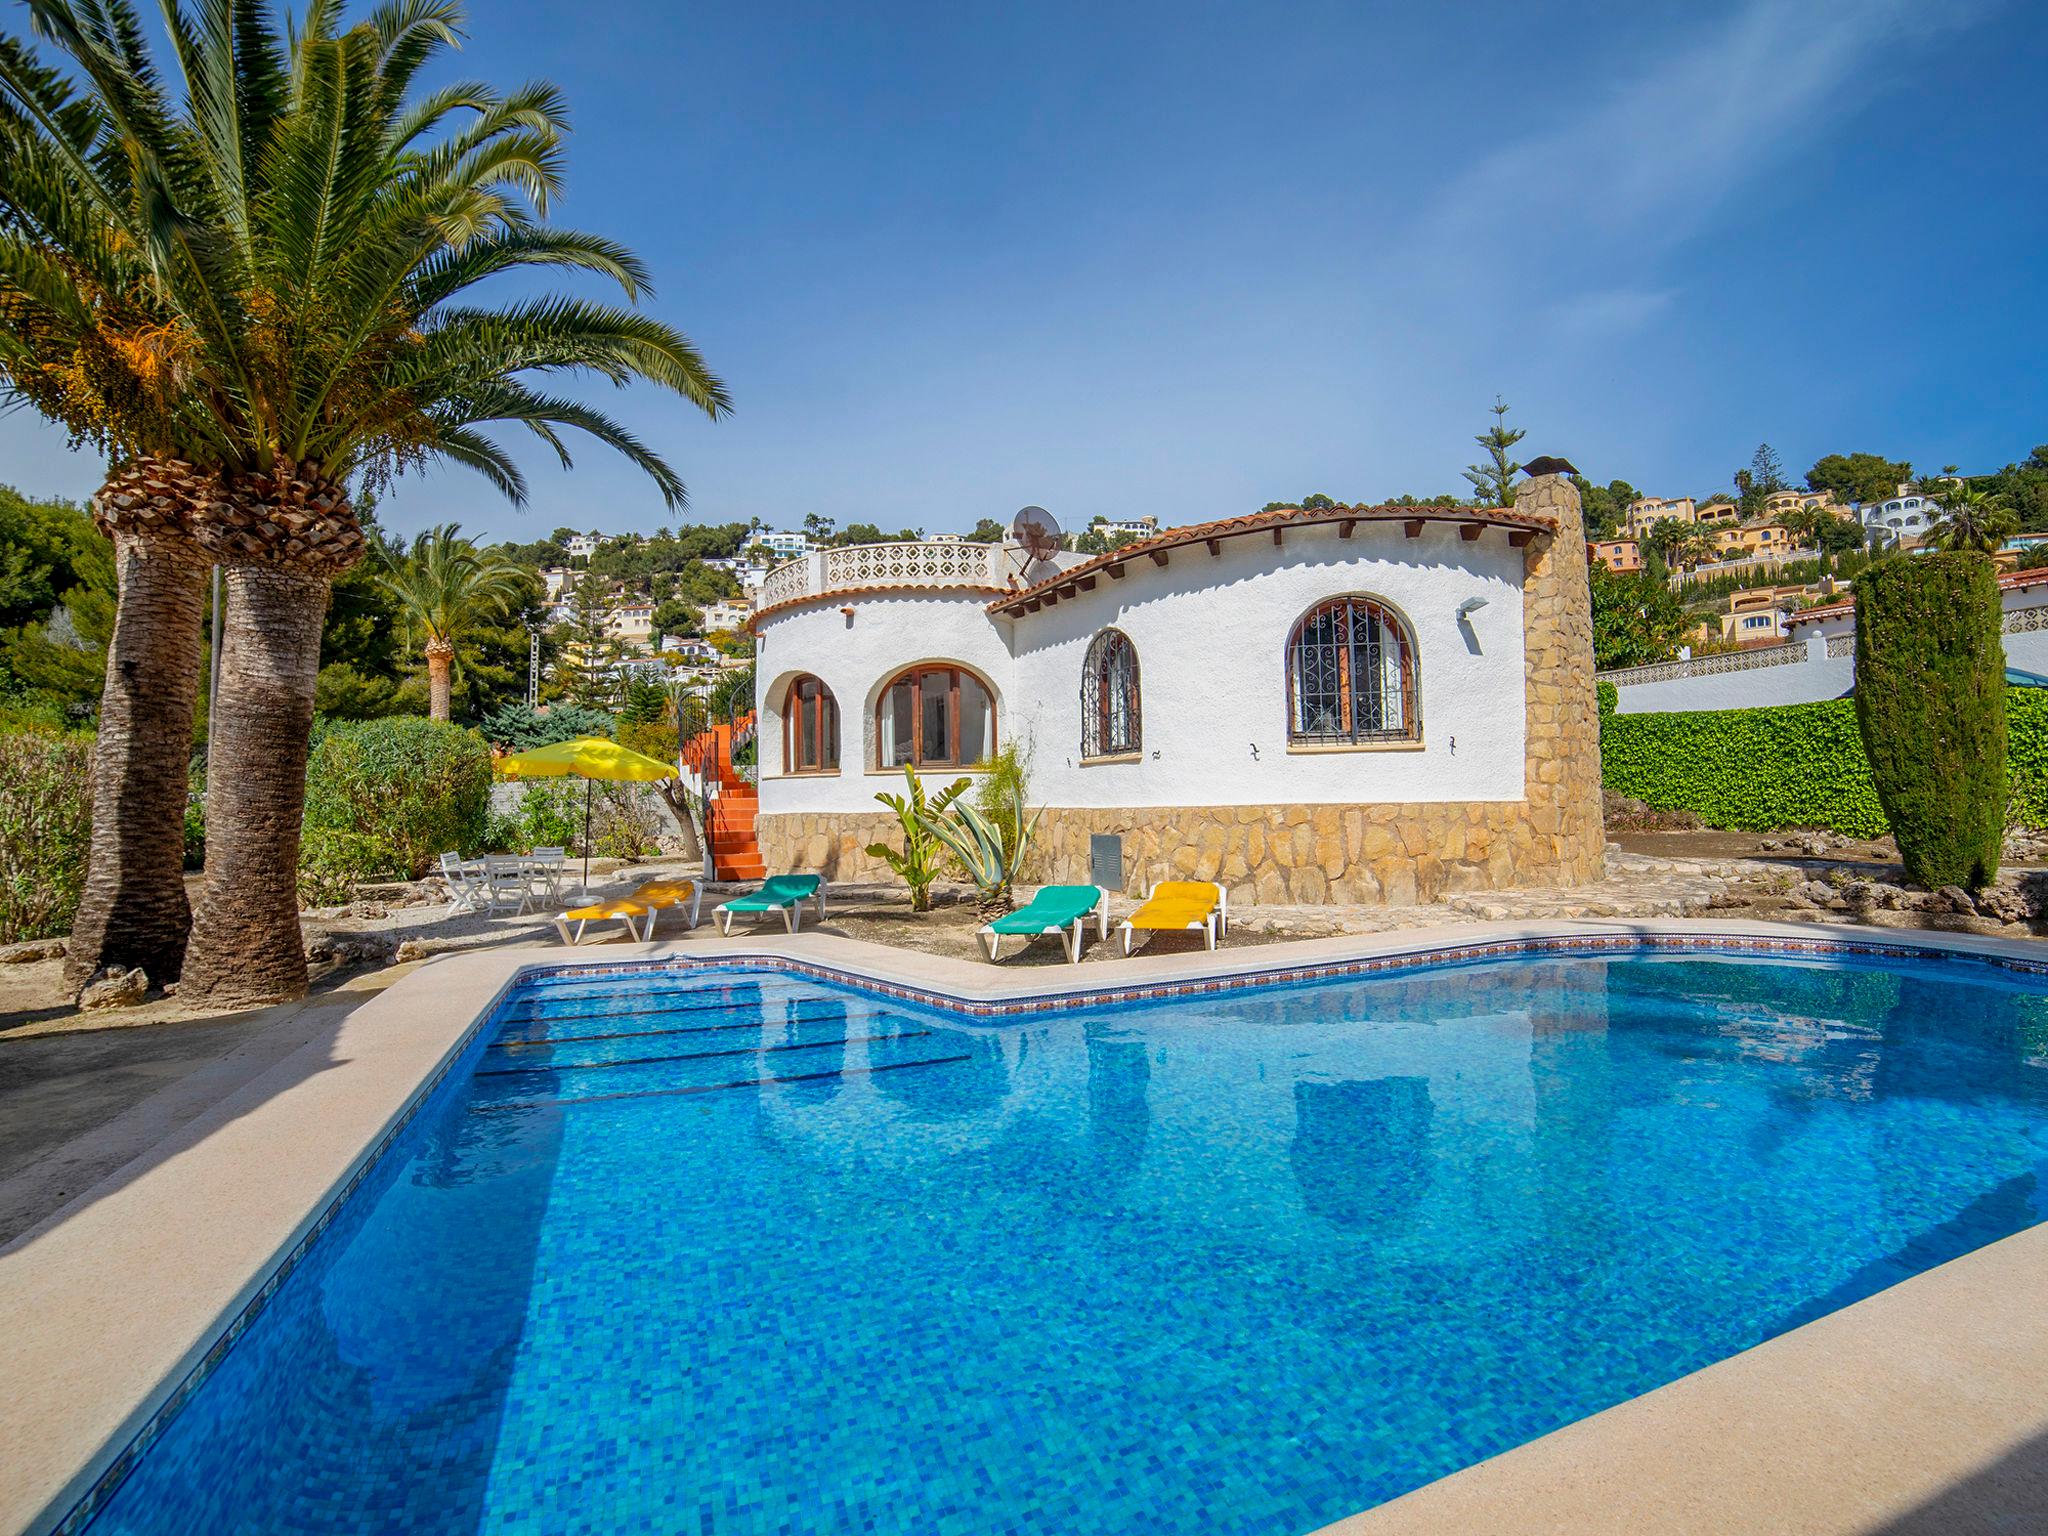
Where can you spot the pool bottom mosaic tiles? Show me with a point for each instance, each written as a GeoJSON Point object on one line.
{"type": "Point", "coordinates": [745, 1252]}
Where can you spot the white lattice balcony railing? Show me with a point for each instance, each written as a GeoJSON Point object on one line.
{"type": "Point", "coordinates": [786, 582]}
{"type": "Point", "coordinates": [919, 564]}
{"type": "Point", "coordinates": [1707, 666]}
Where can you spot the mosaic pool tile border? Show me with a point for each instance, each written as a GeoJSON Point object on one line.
{"type": "Point", "coordinates": [1575, 945]}
{"type": "Point", "coordinates": [1554, 945]}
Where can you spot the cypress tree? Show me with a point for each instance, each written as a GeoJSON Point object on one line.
{"type": "Point", "coordinates": [1930, 700]}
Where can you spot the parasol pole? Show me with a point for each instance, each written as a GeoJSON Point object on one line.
{"type": "Point", "coordinates": [586, 837]}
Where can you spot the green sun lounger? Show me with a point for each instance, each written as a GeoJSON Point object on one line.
{"type": "Point", "coordinates": [779, 893]}
{"type": "Point", "coordinates": [1060, 909]}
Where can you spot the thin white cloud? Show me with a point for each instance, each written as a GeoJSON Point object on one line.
{"type": "Point", "coordinates": [1652, 163]}
{"type": "Point", "coordinates": [1606, 314]}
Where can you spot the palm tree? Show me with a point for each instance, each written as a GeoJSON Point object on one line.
{"type": "Point", "coordinates": [93, 270]}
{"type": "Point", "coordinates": [1971, 519]}
{"type": "Point", "coordinates": [445, 586]}
{"type": "Point", "coordinates": [325, 231]}
{"type": "Point", "coordinates": [1668, 538]}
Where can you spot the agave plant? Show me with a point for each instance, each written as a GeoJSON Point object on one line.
{"type": "Point", "coordinates": [990, 848]}
{"type": "Point", "coordinates": [918, 863]}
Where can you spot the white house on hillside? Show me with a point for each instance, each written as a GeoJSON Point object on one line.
{"type": "Point", "coordinates": [1355, 704]}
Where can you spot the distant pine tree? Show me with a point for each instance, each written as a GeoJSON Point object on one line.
{"type": "Point", "coordinates": [1494, 482]}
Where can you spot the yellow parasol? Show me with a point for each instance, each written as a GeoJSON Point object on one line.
{"type": "Point", "coordinates": [588, 758]}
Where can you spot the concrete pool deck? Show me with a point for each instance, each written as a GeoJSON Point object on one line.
{"type": "Point", "coordinates": [1920, 1409]}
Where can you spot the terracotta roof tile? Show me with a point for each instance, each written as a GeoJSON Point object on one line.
{"type": "Point", "coordinates": [1259, 522]}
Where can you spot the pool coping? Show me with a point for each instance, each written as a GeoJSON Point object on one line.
{"type": "Point", "coordinates": [226, 1206]}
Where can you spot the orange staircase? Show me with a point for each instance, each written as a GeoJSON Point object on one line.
{"type": "Point", "coordinates": [732, 803]}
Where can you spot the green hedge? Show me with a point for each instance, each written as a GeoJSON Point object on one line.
{"type": "Point", "coordinates": [1930, 692]}
{"type": "Point", "coordinates": [389, 796]}
{"type": "Point", "coordinates": [1791, 765]}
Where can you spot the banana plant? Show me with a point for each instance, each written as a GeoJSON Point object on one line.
{"type": "Point", "coordinates": [922, 855]}
{"type": "Point", "coordinates": [990, 848]}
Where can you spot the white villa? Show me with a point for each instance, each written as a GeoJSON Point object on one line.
{"type": "Point", "coordinates": [1346, 704]}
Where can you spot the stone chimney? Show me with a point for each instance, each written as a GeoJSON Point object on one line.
{"type": "Point", "coordinates": [1562, 782]}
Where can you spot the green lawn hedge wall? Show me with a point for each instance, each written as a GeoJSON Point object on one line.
{"type": "Point", "coordinates": [1791, 765]}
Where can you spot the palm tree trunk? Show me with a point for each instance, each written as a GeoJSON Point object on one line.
{"type": "Point", "coordinates": [282, 536]}
{"type": "Point", "coordinates": [246, 945]}
{"type": "Point", "coordinates": [440, 678]}
{"type": "Point", "coordinates": [133, 911]}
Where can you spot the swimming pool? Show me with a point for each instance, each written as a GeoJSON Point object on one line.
{"type": "Point", "coordinates": [737, 1250]}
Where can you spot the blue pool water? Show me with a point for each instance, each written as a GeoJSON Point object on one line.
{"type": "Point", "coordinates": [1244, 1263]}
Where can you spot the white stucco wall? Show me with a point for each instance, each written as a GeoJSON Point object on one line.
{"type": "Point", "coordinates": [856, 658]}
{"type": "Point", "coordinates": [1210, 633]}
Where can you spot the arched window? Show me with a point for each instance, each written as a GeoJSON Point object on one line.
{"type": "Point", "coordinates": [935, 717]}
{"type": "Point", "coordinates": [1351, 676]}
{"type": "Point", "coordinates": [1109, 696]}
{"type": "Point", "coordinates": [810, 728]}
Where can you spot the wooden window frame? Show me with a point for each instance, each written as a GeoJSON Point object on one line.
{"type": "Point", "coordinates": [917, 676]}
{"type": "Point", "coordinates": [793, 725]}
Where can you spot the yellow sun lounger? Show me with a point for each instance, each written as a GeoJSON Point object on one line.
{"type": "Point", "coordinates": [643, 903]}
{"type": "Point", "coordinates": [1177, 906]}
{"type": "Point", "coordinates": [601, 911]}
{"type": "Point", "coordinates": [657, 894]}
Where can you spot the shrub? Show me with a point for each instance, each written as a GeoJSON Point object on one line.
{"type": "Point", "coordinates": [45, 831]}
{"type": "Point", "coordinates": [1607, 697]}
{"type": "Point", "coordinates": [551, 814]}
{"type": "Point", "coordinates": [505, 834]}
{"type": "Point", "coordinates": [1792, 765]}
{"type": "Point", "coordinates": [411, 789]}
{"type": "Point", "coordinates": [1930, 699]}
{"type": "Point", "coordinates": [2026, 756]}
{"type": "Point", "coordinates": [650, 738]}
{"type": "Point", "coordinates": [331, 861]}
{"type": "Point", "coordinates": [622, 823]}
{"type": "Point", "coordinates": [195, 818]}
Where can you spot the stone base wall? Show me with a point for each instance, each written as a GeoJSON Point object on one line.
{"type": "Point", "coordinates": [1393, 854]}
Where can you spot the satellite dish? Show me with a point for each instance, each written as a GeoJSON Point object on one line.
{"type": "Point", "coordinates": [1038, 531]}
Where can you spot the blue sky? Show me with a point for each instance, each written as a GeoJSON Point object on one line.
{"type": "Point", "coordinates": [1184, 259]}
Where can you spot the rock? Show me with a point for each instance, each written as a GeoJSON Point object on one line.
{"type": "Point", "coordinates": [2003, 903]}
{"type": "Point", "coordinates": [1955, 899]}
{"type": "Point", "coordinates": [368, 909]}
{"type": "Point", "coordinates": [350, 949]}
{"type": "Point", "coordinates": [31, 950]}
{"type": "Point", "coordinates": [1817, 893]}
{"type": "Point", "coordinates": [114, 988]}
{"type": "Point", "coordinates": [410, 950]}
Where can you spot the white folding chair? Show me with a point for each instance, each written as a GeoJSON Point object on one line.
{"type": "Point", "coordinates": [509, 880]}
{"type": "Point", "coordinates": [544, 873]}
{"type": "Point", "coordinates": [466, 884]}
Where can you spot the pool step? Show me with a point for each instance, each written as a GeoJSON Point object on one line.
{"type": "Point", "coordinates": [752, 1082]}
